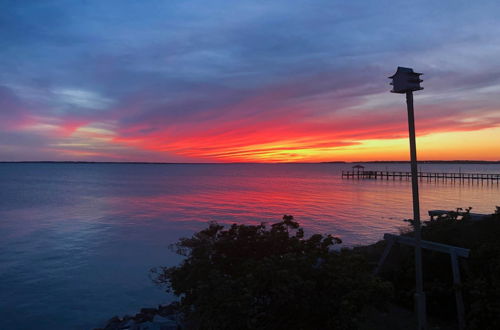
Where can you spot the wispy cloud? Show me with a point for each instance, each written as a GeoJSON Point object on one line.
{"type": "Point", "coordinates": [239, 81]}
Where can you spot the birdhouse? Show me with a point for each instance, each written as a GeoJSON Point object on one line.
{"type": "Point", "coordinates": [405, 80]}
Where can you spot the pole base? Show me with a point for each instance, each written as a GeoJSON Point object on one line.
{"type": "Point", "coordinates": [420, 311]}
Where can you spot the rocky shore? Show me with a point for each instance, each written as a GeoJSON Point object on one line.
{"type": "Point", "coordinates": [161, 318]}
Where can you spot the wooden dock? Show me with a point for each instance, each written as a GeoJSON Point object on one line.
{"type": "Point", "coordinates": [429, 176]}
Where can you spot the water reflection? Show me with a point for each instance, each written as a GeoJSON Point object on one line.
{"type": "Point", "coordinates": [76, 240]}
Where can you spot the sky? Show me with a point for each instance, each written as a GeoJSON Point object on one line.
{"type": "Point", "coordinates": [246, 81]}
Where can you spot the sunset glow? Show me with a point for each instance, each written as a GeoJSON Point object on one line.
{"type": "Point", "coordinates": [247, 82]}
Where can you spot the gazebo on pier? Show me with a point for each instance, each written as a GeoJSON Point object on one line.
{"type": "Point", "coordinates": [358, 168]}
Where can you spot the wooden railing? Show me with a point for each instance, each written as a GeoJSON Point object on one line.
{"type": "Point", "coordinates": [457, 176]}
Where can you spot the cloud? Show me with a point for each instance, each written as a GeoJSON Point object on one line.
{"type": "Point", "coordinates": [240, 81]}
{"type": "Point", "coordinates": [82, 98]}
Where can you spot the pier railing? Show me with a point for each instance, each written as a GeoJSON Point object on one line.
{"type": "Point", "coordinates": [388, 175]}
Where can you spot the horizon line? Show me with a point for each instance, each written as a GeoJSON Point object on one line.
{"type": "Point", "coordinates": [467, 161]}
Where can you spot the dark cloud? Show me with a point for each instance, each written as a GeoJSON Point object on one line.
{"type": "Point", "coordinates": [161, 70]}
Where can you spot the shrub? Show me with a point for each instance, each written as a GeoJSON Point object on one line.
{"type": "Point", "coordinates": [479, 272]}
{"type": "Point", "coordinates": [255, 277]}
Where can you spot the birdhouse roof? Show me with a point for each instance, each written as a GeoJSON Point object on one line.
{"type": "Point", "coordinates": [402, 70]}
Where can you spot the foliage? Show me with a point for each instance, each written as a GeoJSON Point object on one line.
{"type": "Point", "coordinates": [479, 272]}
{"type": "Point", "coordinates": [255, 277]}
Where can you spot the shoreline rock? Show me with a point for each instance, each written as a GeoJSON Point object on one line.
{"type": "Point", "coordinates": [162, 318]}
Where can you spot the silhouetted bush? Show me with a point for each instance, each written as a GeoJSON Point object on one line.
{"type": "Point", "coordinates": [480, 272]}
{"type": "Point", "coordinates": [255, 277]}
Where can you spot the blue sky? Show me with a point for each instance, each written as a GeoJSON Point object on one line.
{"type": "Point", "coordinates": [238, 80]}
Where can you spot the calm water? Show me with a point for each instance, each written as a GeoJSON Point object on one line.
{"type": "Point", "coordinates": [77, 240]}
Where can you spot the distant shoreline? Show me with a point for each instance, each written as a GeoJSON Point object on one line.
{"type": "Point", "coordinates": [229, 163]}
{"type": "Point", "coordinates": [426, 162]}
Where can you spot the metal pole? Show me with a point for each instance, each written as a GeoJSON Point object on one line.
{"type": "Point", "coordinates": [419, 294]}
